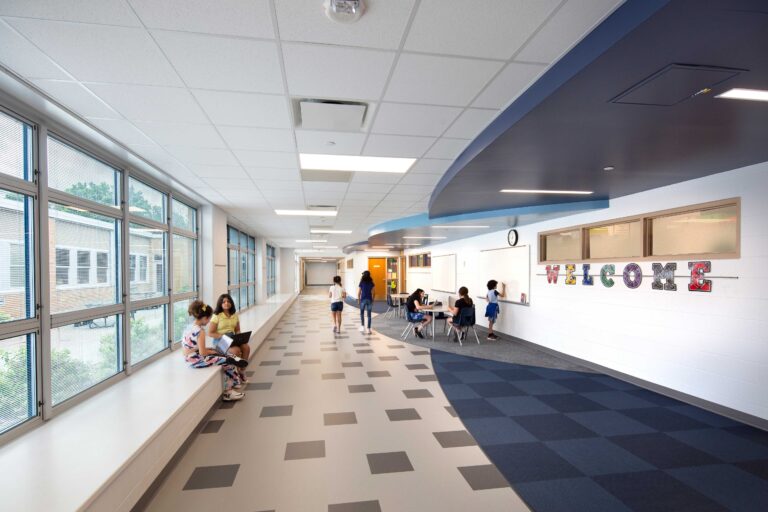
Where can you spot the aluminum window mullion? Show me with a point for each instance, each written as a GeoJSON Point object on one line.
{"type": "Point", "coordinates": [67, 199]}
{"type": "Point", "coordinates": [13, 184]}
{"type": "Point", "coordinates": [169, 275]}
{"type": "Point", "coordinates": [149, 223]}
{"type": "Point", "coordinates": [43, 341]}
{"type": "Point", "coordinates": [184, 296]}
{"type": "Point", "coordinates": [19, 327]}
{"type": "Point", "coordinates": [125, 275]}
{"type": "Point", "coordinates": [184, 232]}
{"type": "Point", "coordinates": [71, 317]}
{"type": "Point", "coordinates": [147, 303]}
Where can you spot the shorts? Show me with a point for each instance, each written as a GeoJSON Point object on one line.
{"type": "Point", "coordinates": [492, 311]}
{"type": "Point", "coordinates": [337, 306]}
{"type": "Point", "coordinates": [416, 317]}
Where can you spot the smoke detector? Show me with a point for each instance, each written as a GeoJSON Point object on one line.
{"type": "Point", "coordinates": [344, 11]}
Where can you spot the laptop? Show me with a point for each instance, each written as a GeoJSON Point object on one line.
{"type": "Point", "coordinates": [231, 340]}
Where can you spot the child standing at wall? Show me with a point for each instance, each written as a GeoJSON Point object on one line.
{"type": "Point", "coordinates": [200, 356]}
{"type": "Point", "coordinates": [492, 309]}
{"type": "Point", "coordinates": [337, 296]}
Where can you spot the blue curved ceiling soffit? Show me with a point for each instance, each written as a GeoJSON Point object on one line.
{"type": "Point", "coordinates": [625, 96]}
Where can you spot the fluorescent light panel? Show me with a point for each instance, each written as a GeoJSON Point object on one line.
{"type": "Point", "coordinates": [745, 94]}
{"type": "Point", "coordinates": [311, 241]}
{"type": "Point", "coordinates": [308, 213]}
{"type": "Point", "coordinates": [307, 250]}
{"type": "Point", "coordinates": [325, 247]}
{"type": "Point", "coordinates": [424, 238]}
{"type": "Point", "coordinates": [461, 227]}
{"type": "Point", "coordinates": [353, 163]}
{"type": "Point", "coordinates": [330, 231]}
{"type": "Point", "coordinates": [526, 191]}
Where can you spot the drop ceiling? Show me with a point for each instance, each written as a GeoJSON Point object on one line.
{"type": "Point", "coordinates": [206, 91]}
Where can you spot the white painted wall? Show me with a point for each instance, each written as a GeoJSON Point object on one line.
{"type": "Point", "coordinates": [286, 271]}
{"type": "Point", "coordinates": [320, 273]}
{"type": "Point", "coordinates": [710, 345]}
{"type": "Point", "coordinates": [213, 240]}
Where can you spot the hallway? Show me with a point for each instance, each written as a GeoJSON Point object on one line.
{"type": "Point", "coordinates": [345, 422]}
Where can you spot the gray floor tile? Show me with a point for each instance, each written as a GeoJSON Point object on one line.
{"type": "Point", "coordinates": [417, 366]}
{"type": "Point", "coordinates": [327, 342]}
{"type": "Point", "coordinates": [227, 405]}
{"type": "Point", "coordinates": [287, 372]}
{"type": "Point", "coordinates": [272, 411]}
{"type": "Point", "coordinates": [291, 354]}
{"type": "Point", "coordinates": [417, 393]}
{"type": "Point", "coordinates": [331, 376]}
{"type": "Point", "coordinates": [403, 414]}
{"type": "Point", "coordinates": [395, 346]}
{"type": "Point", "coordinates": [311, 361]}
{"type": "Point", "coordinates": [420, 352]}
{"type": "Point", "coordinates": [329, 349]}
{"type": "Point", "coordinates": [339, 418]}
{"type": "Point", "coordinates": [356, 506]}
{"type": "Point", "coordinates": [305, 450]}
{"type": "Point", "coordinates": [381, 373]}
{"type": "Point", "coordinates": [389, 358]}
{"type": "Point", "coordinates": [352, 364]}
{"type": "Point", "coordinates": [270, 363]}
{"type": "Point", "coordinates": [361, 388]}
{"type": "Point", "coordinates": [365, 351]}
{"type": "Point", "coordinates": [281, 347]}
{"type": "Point", "coordinates": [389, 462]}
{"type": "Point", "coordinates": [249, 373]}
{"type": "Point", "coordinates": [361, 344]}
{"type": "Point", "coordinates": [211, 477]}
{"type": "Point", "coordinates": [296, 341]}
{"type": "Point", "coordinates": [212, 427]}
{"type": "Point", "coordinates": [454, 439]}
{"type": "Point", "coordinates": [258, 386]}
{"type": "Point", "coordinates": [427, 378]}
{"type": "Point", "coordinates": [483, 477]}
{"type": "Point", "coordinates": [450, 410]}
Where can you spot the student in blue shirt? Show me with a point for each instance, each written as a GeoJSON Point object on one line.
{"type": "Point", "coordinates": [365, 299]}
{"type": "Point", "coordinates": [492, 309]}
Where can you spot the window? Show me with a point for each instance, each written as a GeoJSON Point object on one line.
{"type": "Point", "coordinates": [102, 267]}
{"type": "Point", "coordinates": [145, 201]}
{"type": "Point", "coordinates": [18, 401]}
{"type": "Point", "coordinates": [271, 270]}
{"type": "Point", "coordinates": [184, 217]}
{"type": "Point", "coordinates": [16, 249]}
{"type": "Point", "coordinates": [184, 264]}
{"type": "Point", "coordinates": [420, 260]}
{"type": "Point", "coordinates": [148, 334]}
{"type": "Point", "coordinates": [74, 172]}
{"type": "Point", "coordinates": [138, 269]}
{"type": "Point", "coordinates": [83, 267]}
{"type": "Point", "coordinates": [181, 319]}
{"type": "Point", "coordinates": [350, 263]}
{"type": "Point", "coordinates": [709, 230]}
{"type": "Point", "coordinates": [241, 266]}
{"type": "Point", "coordinates": [147, 245]}
{"type": "Point", "coordinates": [18, 266]}
{"type": "Point", "coordinates": [15, 148]}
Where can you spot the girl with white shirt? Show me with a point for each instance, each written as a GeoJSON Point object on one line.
{"type": "Point", "coordinates": [337, 295]}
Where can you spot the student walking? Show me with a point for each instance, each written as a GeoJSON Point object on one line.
{"type": "Point", "coordinates": [365, 299]}
{"type": "Point", "coordinates": [492, 309]}
{"type": "Point", "coordinates": [337, 296]}
{"type": "Point", "coordinates": [200, 356]}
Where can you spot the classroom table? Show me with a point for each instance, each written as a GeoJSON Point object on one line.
{"type": "Point", "coordinates": [444, 309]}
{"type": "Point", "coordinates": [400, 297]}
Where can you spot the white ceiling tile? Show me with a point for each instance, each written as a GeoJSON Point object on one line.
{"type": "Point", "coordinates": [213, 62]}
{"type": "Point", "coordinates": [202, 156]}
{"type": "Point", "coordinates": [99, 53]}
{"type": "Point", "coordinates": [566, 28]}
{"type": "Point", "coordinates": [267, 159]}
{"type": "Point", "coordinates": [77, 98]}
{"type": "Point", "coordinates": [121, 130]}
{"type": "Point", "coordinates": [156, 155]}
{"type": "Point", "coordinates": [310, 141]}
{"type": "Point", "coordinates": [218, 171]}
{"type": "Point", "coordinates": [150, 103]}
{"type": "Point", "coordinates": [420, 179]}
{"type": "Point", "coordinates": [400, 119]}
{"type": "Point", "coordinates": [430, 166]}
{"type": "Point", "coordinates": [330, 72]}
{"type": "Point", "coordinates": [245, 109]}
{"type": "Point", "coordinates": [397, 145]}
{"type": "Point", "coordinates": [414, 79]}
{"type": "Point", "coordinates": [325, 186]}
{"type": "Point", "coordinates": [110, 12]}
{"type": "Point", "coordinates": [181, 134]}
{"type": "Point", "coordinates": [470, 123]}
{"type": "Point", "coordinates": [412, 190]}
{"type": "Point", "coordinates": [293, 187]}
{"type": "Point", "coordinates": [20, 55]}
{"type": "Point", "coordinates": [447, 148]}
{"type": "Point", "coordinates": [376, 177]}
{"type": "Point", "coordinates": [510, 83]}
{"type": "Point", "coordinates": [249, 18]}
{"type": "Point", "coordinates": [492, 29]}
{"type": "Point", "coordinates": [258, 139]}
{"type": "Point", "coordinates": [232, 185]}
{"type": "Point", "coordinates": [266, 174]}
{"type": "Point", "coordinates": [368, 187]}
{"type": "Point", "coordinates": [366, 195]}
{"type": "Point", "coordinates": [382, 26]}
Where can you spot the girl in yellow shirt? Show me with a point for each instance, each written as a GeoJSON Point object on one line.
{"type": "Point", "coordinates": [226, 321]}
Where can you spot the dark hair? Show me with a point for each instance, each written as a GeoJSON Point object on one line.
{"type": "Point", "coordinates": [492, 284]}
{"type": "Point", "coordinates": [416, 293]}
{"type": "Point", "coordinates": [337, 279]}
{"type": "Point", "coordinates": [464, 292]}
{"type": "Point", "coordinates": [366, 278]}
{"type": "Point", "coordinates": [199, 309]}
{"type": "Point", "coordinates": [219, 309]}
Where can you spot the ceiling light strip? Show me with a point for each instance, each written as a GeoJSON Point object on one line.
{"type": "Point", "coordinates": [534, 191]}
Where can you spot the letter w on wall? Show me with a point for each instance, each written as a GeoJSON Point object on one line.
{"type": "Point", "coordinates": [552, 271]}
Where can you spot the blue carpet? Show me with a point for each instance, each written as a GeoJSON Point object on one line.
{"type": "Point", "coordinates": [379, 306]}
{"type": "Point", "coordinates": [569, 441]}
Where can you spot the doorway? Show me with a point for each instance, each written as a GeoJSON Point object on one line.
{"type": "Point", "coordinates": [377, 268]}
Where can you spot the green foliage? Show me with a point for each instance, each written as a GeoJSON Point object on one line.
{"type": "Point", "coordinates": [103, 193]}
{"type": "Point", "coordinates": [145, 340]}
{"type": "Point", "coordinates": [5, 317]}
{"type": "Point", "coordinates": [70, 375]}
{"type": "Point", "coordinates": [180, 321]}
{"type": "Point", "coordinates": [13, 387]}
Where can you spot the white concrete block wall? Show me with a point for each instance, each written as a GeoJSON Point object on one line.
{"type": "Point", "coordinates": [710, 345]}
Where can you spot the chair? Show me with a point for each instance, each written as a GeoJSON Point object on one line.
{"type": "Point", "coordinates": [390, 307]}
{"type": "Point", "coordinates": [464, 322]}
{"type": "Point", "coordinates": [410, 327]}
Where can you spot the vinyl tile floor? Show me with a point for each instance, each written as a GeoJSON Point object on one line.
{"type": "Point", "coordinates": [344, 422]}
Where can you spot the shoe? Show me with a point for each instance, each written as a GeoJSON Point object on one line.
{"type": "Point", "coordinates": [370, 331]}
{"type": "Point", "coordinates": [243, 379]}
{"type": "Point", "coordinates": [237, 361]}
{"type": "Point", "coordinates": [239, 385]}
{"type": "Point", "coordinates": [495, 337]}
{"type": "Point", "coordinates": [362, 328]}
{"type": "Point", "coordinates": [419, 333]}
{"type": "Point", "coordinates": [232, 395]}
{"type": "Point", "coordinates": [463, 336]}
{"type": "Point", "coordinates": [334, 328]}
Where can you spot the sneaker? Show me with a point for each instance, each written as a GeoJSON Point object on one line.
{"type": "Point", "coordinates": [419, 333]}
{"type": "Point", "coordinates": [362, 328]}
{"type": "Point", "coordinates": [463, 336]}
{"type": "Point", "coordinates": [237, 361]}
{"type": "Point", "coordinates": [370, 331]}
{"type": "Point", "coordinates": [239, 385]}
{"type": "Point", "coordinates": [334, 328]}
{"type": "Point", "coordinates": [495, 337]}
{"type": "Point", "coordinates": [232, 395]}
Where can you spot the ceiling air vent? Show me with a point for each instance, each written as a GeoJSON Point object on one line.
{"type": "Point", "coordinates": [340, 116]}
{"type": "Point", "coordinates": [332, 176]}
{"type": "Point", "coordinates": [674, 84]}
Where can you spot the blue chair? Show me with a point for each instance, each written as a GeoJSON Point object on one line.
{"type": "Point", "coordinates": [410, 327]}
{"type": "Point", "coordinates": [463, 323]}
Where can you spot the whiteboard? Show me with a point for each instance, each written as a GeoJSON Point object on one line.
{"type": "Point", "coordinates": [444, 273]}
{"type": "Point", "coordinates": [511, 266]}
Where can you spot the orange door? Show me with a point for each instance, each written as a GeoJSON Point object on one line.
{"type": "Point", "coordinates": [377, 268]}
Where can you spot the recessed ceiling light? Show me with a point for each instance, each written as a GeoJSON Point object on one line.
{"type": "Point", "coordinates": [524, 191]}
{"type": "Point", "coordinates": [745, 94]}
{"type": "Point", "coordinates": [461, 227]}
{"type": "Point", "coordinates": [325, 247]}
{"type": "Point", "coordinates": [308, 213]}
{"type": "Point", "coordinates": [316, 162]}
{"type": "Point", "coordinates": [608, 168]}
{"type": "Point", "coordinates": [382, 247]}
{"type": "Point", "coordinates": [330, 231]}
{"type": "Point", "coordinates": [307, 250]}
{"type": "Point", "coordinates": [424, 238]}
{"type": "Point", "coordinates": [311, 241]}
